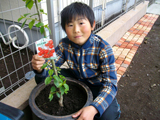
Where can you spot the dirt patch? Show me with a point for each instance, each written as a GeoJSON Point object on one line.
{"type": "Point", "coordinates": [139, 87]}
{"type": "Point", "coordinates": [14, 64]}
{"type": "Point", "coordinates": [74, 100]}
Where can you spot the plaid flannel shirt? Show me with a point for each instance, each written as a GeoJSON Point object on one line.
{"type": "Point", "coordinates": [94, 59]}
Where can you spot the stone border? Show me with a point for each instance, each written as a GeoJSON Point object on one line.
{"type": "Point", "coordinates": [112, 33]}
{"type": "Point", "coordinates": [19, 98]}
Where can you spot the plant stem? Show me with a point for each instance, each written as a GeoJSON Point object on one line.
{"type": "Point", "coordinates": [36, 3]}
{"type": "Point", "coordinates": [52, 61]}
{"type": "Point", "coordinates": [55, 71]}
{"type": "Point", "coordinates": [54, 67]}
{"type": "Point", "coordinates": [61, 101]}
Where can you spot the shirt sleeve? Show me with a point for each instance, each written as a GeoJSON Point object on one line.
{"type": "Point", "coordinates": [60, 54]}
{"type": "Point", "coordinates": [109, 80]}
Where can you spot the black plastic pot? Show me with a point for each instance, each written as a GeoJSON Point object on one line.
{"type": "Point", "coordinates": [40, 115]}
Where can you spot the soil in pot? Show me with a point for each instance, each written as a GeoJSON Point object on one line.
{"type": "Point", "coordinates": [73, 101]}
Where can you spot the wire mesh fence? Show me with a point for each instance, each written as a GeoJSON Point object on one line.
{"type": "Point", "coordinates": [17, 45]}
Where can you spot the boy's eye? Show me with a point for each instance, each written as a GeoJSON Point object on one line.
{"type": "Point", "coordinates": [70, 25]}
{"type": "Point", "coordinates": [81, 23]}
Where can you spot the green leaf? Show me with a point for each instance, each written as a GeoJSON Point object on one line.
{"type": "Point", "coordinates": [60, 85]}
{"type": "Point", "coordinates": [23, 23]}
{"type": "Point", "coordinates": [41, 10]}
{"type": "Point", "coordinates": [62, 90]}
{"type": "Point", "coordinates": [53, 89]}
{"type": "Point", "coordinates": [66, 87]}
{"type": "Point", "coordinates": [19, 19]}
{"type": "Point", "coordinates": [39, 24]}
{"type": "Point", "coordinates": [50, 97]}
{"type": "Point", "coordinates": [65, 92]}
{"type": "Point", "coordinates": [58, 69]}
{"type": "Point", "coordinates": [61, 76]}
{"type": "Point", "coordinates": [31, 24]}
{"type": "Point", "coordinates": [51, 72]}
{"type": "Point", "coordinates": [39, 0]}
{"type": "Point", "coordinates": [47, 80]}
{"type": "Point", "coordinates": [29, 3]}
{"type": "Point", "coordinates": [58, 95]}
{"type": "Point", "coordinates": [56, 83]}
{"type": "Point", "coordinates": [42, 30]}
{"type": "Point", "coordinates": [44, 65]}
{"type": "Point", "coordinates": [26, 14]}
{"type": "Point", "coordinates": [48, 28]}
{"type": "Point", "coordinates": [57, 78]}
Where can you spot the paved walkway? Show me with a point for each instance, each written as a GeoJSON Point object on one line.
{"type": "Point", "coordinates": [125, 49]}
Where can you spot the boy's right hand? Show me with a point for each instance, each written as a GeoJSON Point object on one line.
{"type": "Point", "coordinates": [37, 63]}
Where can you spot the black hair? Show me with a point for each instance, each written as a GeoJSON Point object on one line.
{"type": "Point", "coordinates": [76, 9]}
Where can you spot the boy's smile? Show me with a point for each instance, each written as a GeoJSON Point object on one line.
{"type": "Point", "coordinates": [79, 30]}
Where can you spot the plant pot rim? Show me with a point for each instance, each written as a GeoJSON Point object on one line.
{"type": "Point", "coordinates": [42, 85]}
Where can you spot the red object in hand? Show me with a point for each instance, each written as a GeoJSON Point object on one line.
{"type": "Point", "coordinates": [46, 44]}
{"type": "Point", "coordinates": [50, 42]}
{"type": "Point", "coordinates": [47, 53]}
{"type": "Point", "coordinates": [52, 51]}
{"type": "Point", "coordinates": [39, 48]}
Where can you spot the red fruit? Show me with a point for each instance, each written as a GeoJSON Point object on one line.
{"type": "Point", "coordinates": [46, 44]}
{"type": "Point", "coordinates": [39, 48]}
{"type": "Point", "coordinates": [50, 42]}
{"type": "Point", "coordinates": [51, 46]}
{"type": "Point", "coordinates": [40, 53]}
{"type": "Point", "coordinates": [50, 54]}
{"type": "Point", "coordinates": [46, 56]}
{"type": "Point", "coordinates": [46, 51]}
{"type": "Point", "coordinates": [52, 51]}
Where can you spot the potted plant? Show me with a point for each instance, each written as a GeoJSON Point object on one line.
{"type": "Point", "coordinates": [56, 86]}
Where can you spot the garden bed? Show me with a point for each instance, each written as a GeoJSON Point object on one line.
{"type": "Point", "coordinates": [138, 89]}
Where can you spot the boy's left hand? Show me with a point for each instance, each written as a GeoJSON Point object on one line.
{"type": "Point", "coordinates": [86, 113]}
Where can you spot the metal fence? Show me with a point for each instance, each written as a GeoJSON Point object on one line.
{"type": "Point", "coordinates": [17, 45]}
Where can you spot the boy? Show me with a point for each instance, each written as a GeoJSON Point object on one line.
{"type": "Point", "coordinates": [90, 60]}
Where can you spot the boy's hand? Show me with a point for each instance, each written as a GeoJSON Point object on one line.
{"type": "Point", "coordinates": [86, 113]}
{"type": "Point", "coordinates": [37, 63]}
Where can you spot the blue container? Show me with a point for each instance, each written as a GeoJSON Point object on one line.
{"type": "Point", "coordinates": [10, 113]}
{"type": "Point", "coordinates": [3, 117]}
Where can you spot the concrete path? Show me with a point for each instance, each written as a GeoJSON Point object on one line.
{"type": "Point", "coordinates": [154, 8]}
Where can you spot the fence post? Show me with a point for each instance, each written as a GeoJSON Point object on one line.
{"type": "Point", "coordinates": [135, 1]}
{"type": "Point", "coordinates": [126, 9]}
{"type": "Point", "coordinates": [91, 4]}
{"type": "Point", "coordinates": [59, 4]}
{"type": "Point", "coordinates": [51, 23]}
{"type": "Point", "coordinates": [103, 12]}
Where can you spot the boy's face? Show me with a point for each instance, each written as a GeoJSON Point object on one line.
{"type": "Point", "coordinates": [79, 30]}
